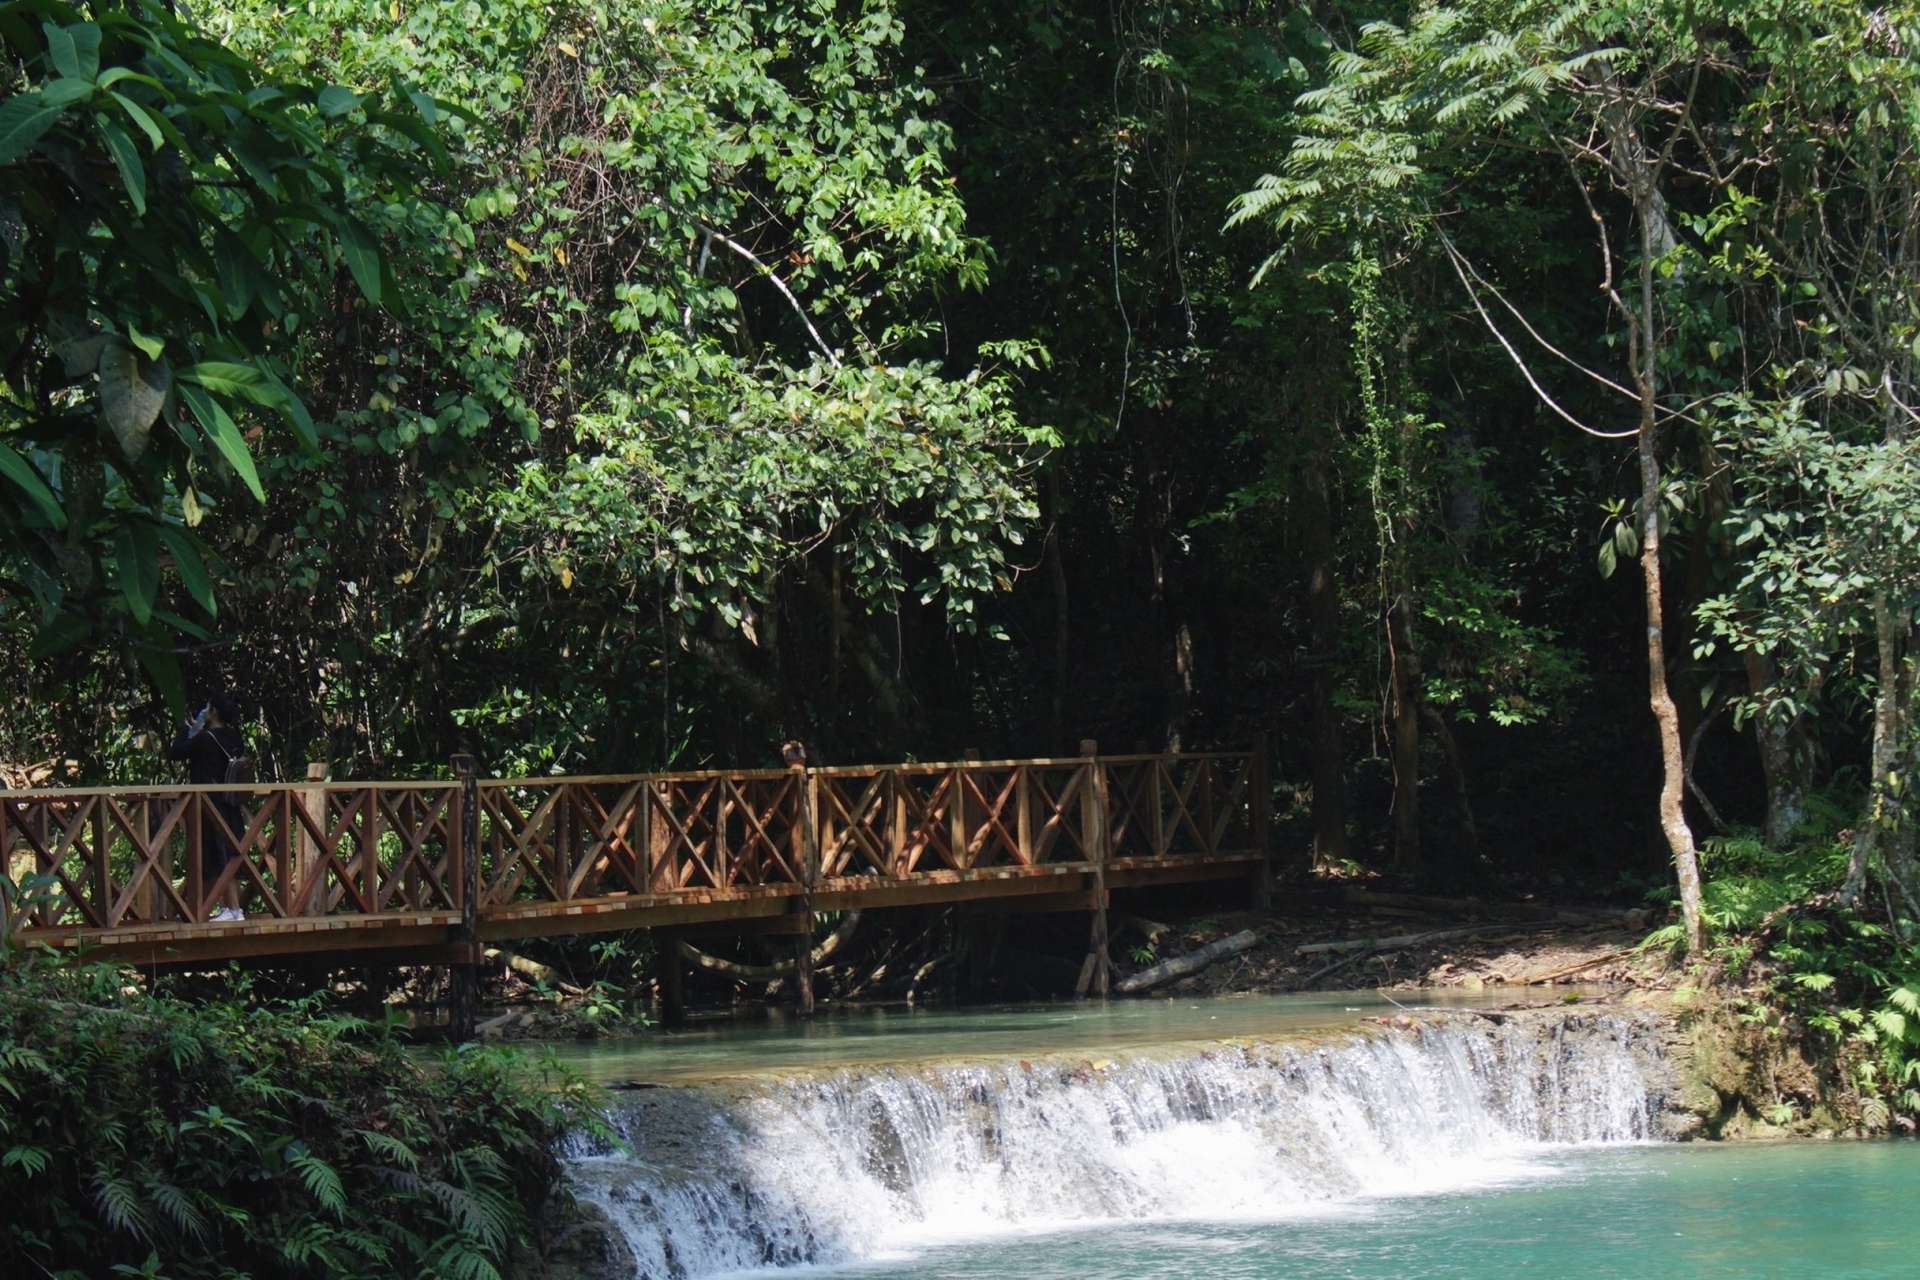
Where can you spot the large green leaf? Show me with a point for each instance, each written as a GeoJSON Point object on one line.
{"type": "Point", "coordinates": [336, 100]}
{"type": "Point", "coordinates": [75, 50]}
{"type": "Point", "coordinates": [165, 670]}
{"type": "Point", "coordinates": [191, 566]}
{"type": "Point", "coordinates": [23, 119]}
{"type": "Point", "coordinates": [363, 257]}
{"type": "Point", "coordinates": [132, 392]}
{"type": "Point", "coordinates": [21, 472]}
{"type": "Point", "coordinates": [223, 435]}
{"type": "Point", "coordinates": [235, 265]}
{"type": "Point", "coordinates": [143, 118]}
{"type": "Point", "coordinates": [225, 378]}
{"type": "Point", "coordinates": [136, 565]}
{"type": "Point", "coordinates": [133, 174]}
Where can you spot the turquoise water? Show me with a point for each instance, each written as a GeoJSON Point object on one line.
{"type": "Point", "coordinates": [1652, 1211]}
{"type": "Point", "coordinates": [1831, 1210]}
{"type": "Point", "coordinates": [774, 1040]}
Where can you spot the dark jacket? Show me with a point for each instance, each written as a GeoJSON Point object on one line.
{"type": "Point", "coordinates": [203, 751]}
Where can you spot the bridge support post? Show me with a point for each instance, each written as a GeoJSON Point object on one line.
{"type": "Point", "coordinates": [465, 969]}
{"type": "Point", "coordinates": [795, 755]}
{"type": "Point", "coordinates": [673, 979]}
{"type": "Point", "coordinates": [1096, 974]}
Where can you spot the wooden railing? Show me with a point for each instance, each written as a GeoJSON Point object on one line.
{"type": "Point", "coordinates": [119, 858]}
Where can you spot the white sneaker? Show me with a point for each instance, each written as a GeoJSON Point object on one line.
{"type": "Point", "coordinates": [227, 914]}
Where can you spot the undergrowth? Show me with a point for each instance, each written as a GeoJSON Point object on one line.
{"type": "Point", "coordinates": [142, 1134]}
{"type": "Point", "coordinates": [1802, 966]}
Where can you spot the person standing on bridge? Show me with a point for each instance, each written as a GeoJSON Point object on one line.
{"type": "Point", "coordinates": [215, 752]}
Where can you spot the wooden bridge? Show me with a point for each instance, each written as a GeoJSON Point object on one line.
{"type": "Point", "coordinates": [428, 872]}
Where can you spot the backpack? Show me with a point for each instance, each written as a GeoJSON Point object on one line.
{"type": "Point", "coordinates": [240, 765]}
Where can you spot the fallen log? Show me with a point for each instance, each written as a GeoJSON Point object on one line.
{"type": "Point", "coordinates": [1193, 962]}
{"type": "Point", "coordinates": [1490, 930]}
{"type": "Point", "coordinates": [1545, 978]}
{"type": "Point", "coordinates": [779, 968]}
{"type": "Point", "coordinates": [1386, 944]}
{"type": "Point", "coordinates": [533, 969]}
{"type": "Point", "coordinates": [1449, 906]}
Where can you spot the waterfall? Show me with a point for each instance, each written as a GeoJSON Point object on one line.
{"type": "Point", "coordinates": [860, 1163]}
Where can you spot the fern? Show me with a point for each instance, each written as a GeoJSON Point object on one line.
{"type": "Point", "coordinates": [320, 1180]}
{"type": "Point", "coordinates": [120, 1206]}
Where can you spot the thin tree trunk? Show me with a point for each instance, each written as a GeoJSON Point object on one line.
{"type": "Point", "coordinates": [1673, 781]}
{"type": "Point", "coordinates": [1323, 620]}
{"type": "Point", "coordinates": [1057, 579]}
{"type": "Point", "coordinates": [1889, 724]}
{"type": "Point", "coordinates": [1406, 732]}
{"type": "Point", "coordinates": [1462, 787]}
{"type": "Point", "coordinates": [1786, 757]}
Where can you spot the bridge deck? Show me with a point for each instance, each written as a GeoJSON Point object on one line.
{"type": "Point", "coordinates": [424, 870]}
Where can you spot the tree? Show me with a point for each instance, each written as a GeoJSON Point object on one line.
{"type": "Point", "coordinates": [171, 221]}
{"type": "Point", "coordinates": [1609, 94]}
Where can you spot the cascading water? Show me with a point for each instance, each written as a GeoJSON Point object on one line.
{"type": "Point", "coordinates": [853, 1164]}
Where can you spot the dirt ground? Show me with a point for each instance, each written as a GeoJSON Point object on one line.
{"type": "Point", "coordinates": [1404, 942]}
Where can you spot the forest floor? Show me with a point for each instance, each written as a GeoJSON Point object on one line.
{"type": "Point", "coordinates": [1404, 942]}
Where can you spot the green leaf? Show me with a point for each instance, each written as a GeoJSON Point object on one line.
{"type": "Point", "coordinates": [165, 670]}
{"type": "Point", "coordinates": [21, 472]}
{"type": "Point", "coordinates": [61, 635]}
{"type": "Point", "coordinates": [133, 174]}
{"type": "Point", "coordinates": [297, 415]}
{"type": "Point", "coordinates": [235, 265]}
{"type": "Point", "coordinates": [142, 118]}
{"type": "Point", "coordinates": [151, 346]}
{"type": "Point", "coordinates": [132, 393]}
{"type": "Point", "coordinates": [136, 565]}
{"type": "Point", "coordinates": [75, 50]}
{"type": "Point", "coordinates": [335, 100]}
{"type": "Point", "coordinates": [23, 119]}
{"type": "Point", "coordinates": [363, 257]}
{"type": "Point", "coordinates": [191, 566]}
{"type": "Point", "coordinates": [65, 92]}
{"type": "Point", "coordinates": [224, 436]}
{"type": "Point", "coordinates": [225, 378]}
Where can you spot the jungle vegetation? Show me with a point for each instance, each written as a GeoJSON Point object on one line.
{"type": "Point", "coordinates": [1506, 412]}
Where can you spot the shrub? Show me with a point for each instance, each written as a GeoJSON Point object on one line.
{"type": "Point", "coordinates": [141, 1134]}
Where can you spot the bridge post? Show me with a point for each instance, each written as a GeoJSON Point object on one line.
{"type": "Point", "coordinates": [795, 755]}
{"type": "Point", "coordinates": [465, 856]}
{"type": "Point", "coordinates": [1096, 974]}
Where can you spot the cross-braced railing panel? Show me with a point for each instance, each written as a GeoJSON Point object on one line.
{"type": "Point", "coordinates": [118, 858]}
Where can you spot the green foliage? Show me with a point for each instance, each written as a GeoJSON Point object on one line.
{"type": "Point", "coordinates": [1814, 966]}
{"type": "Point", "coordinates": [170, 217]}
{"type": "Point", "coordinates": [240, 1137]}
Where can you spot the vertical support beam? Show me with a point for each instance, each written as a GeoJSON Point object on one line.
{"type": "Point", "coordinates": [370, 838]}
{"type": "Point", "coordinates": [196, 859]}
{"type": "Point", "coordinates": [103, 894]}
{"type": "Point", "coordinates": [1157, 800]}
{"type": "Point", "coordinates": [957, 817]}
{"type": "Point", "coordinates": [673, 979]}
{"type": "Point", "coordinates": [463, 869]}
{"type": "Point", "coordinates": [139, 810]}
{"type": "Point", "coordinates": [897, 795]}
{"type": "Point", "coordinates": [795, 755]}
{"type": "Point", "coordinates": [1023, 797]}
{"type": "Point", "coordinates": [1257, 822]}
{"type": "Point", "coordinates": [283, 857]}
{"type": "Point", "coordinates": [310, 800]}
{"type": "Point", "coordinates": [644, 839]}
{"type": "Point", "coordinates": [1096, 975]}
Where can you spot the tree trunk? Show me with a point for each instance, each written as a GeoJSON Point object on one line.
{"type": "Point", "coordinates": [1881, 830]}
{"type": "Point", "coordinates": [1057, 580]}
{"type": "Point", "coordinates": [1323, 619]}
{"type": "Point", "coordinates": [1786, 757]}
{"type": "Point", "coordinates": [1673, 780]}
{"type": "Point", "coordinates": [1406, 732]}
